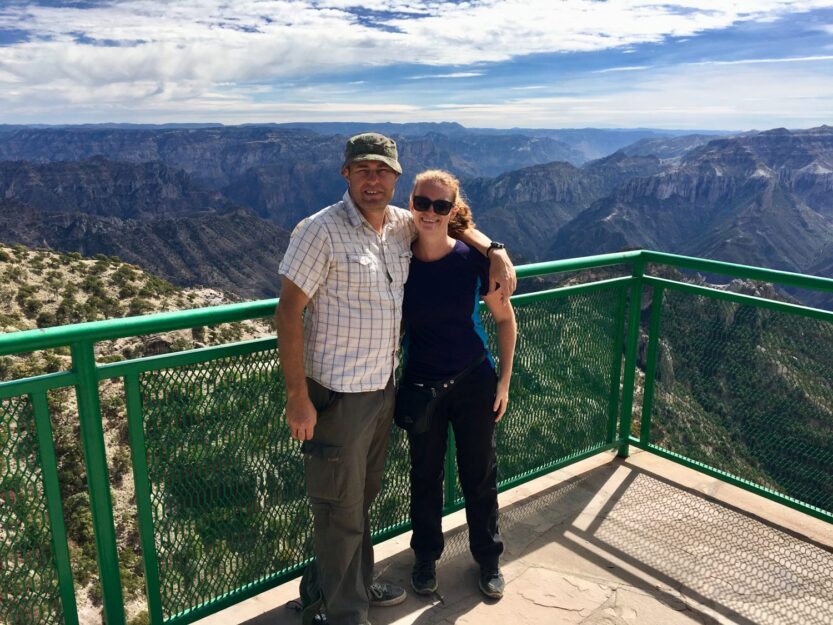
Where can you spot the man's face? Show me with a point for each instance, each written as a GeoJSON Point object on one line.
{"type": "Point", "coordinates": [371, 184]}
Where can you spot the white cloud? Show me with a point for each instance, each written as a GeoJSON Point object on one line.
{"type": "Point", "coordinates": [792, 59]}
{"type": "Point", "coordinates": [629, 68]}
{"type": "Point", "coordinates": [718, 98]}
{"type": "Point", "coordinates": [260, 39]}
{"type": "Point", "coordinates": [451, 75]}
{"type": "Point", "coordinates": [200, 53]}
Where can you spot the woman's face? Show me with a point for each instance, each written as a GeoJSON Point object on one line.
{"type": "Point", "coordinates": [429, 221]}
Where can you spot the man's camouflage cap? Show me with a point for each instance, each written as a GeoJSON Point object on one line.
{"type": "Point", "coordinates": [371, 146]}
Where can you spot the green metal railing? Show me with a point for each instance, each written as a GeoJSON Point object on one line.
{"type": "Point", "coordinates": [736, 386]}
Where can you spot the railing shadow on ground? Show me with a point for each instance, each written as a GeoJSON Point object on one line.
{"type": "Point", "coordinates": [622, 529]}
{"type": "Point", "coordinates": [730, 560]}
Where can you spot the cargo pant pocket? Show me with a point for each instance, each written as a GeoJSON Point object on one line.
{"type": "Point", "coordinates": [323, 471]}
{"type": "Point", "coordinates": [320, 396]}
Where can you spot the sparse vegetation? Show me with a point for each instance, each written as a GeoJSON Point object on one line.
{"type": "Point", "coordinates": [43, 289]}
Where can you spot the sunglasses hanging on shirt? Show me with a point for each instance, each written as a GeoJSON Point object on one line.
{"type": "Point", "coordinates": [441, 207]}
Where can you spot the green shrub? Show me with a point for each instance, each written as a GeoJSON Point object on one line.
{"type": "Point", "coordinates": [14, 273]}
{"type": "Point", "coordinates": [6, 364]}
{"type": "Point", "coordinates": [69, 311]}
{"type": "Point", "coordinates": [142, 618]}
{"type": "Point", "coordinates": [93, 285]}
{"type": "Point", "coordinates": [128, 290]}
{"type": "Point", "coordinates": [123, 275]}
{"type": "Point", "coordinates": [84, 565]}
{"type": "Point", "coordinates": [139, 306]}
{"type": "Point", "coordinates": [46, 319]}
{"type": "Point", "coordinates": [52, 362]}
{"type": "Point", "coordinates": [31, 307]}
{"type": "Point", "coordinates": [157, 286]}
{"type": "Point", "coordinates": [80, 518]}
{"type": "Point", "coordinates": [111, 358]}
{"type": "Point", "coordinates": [121, 464]}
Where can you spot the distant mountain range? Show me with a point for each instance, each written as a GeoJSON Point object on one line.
{"type": "Point", "coordinates": [525, 208]}
{"type": "Point", "coordinates": [764, 199]}
{"type": "Point", "coordinates": [207, 204]}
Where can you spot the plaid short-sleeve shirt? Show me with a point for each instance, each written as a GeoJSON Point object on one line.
{"type": "Point", "coordinates": [355, 280]}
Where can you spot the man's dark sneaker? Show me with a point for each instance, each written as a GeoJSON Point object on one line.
{"type": "Point", "coordinates": [424, 577]}
{"type": "Point", "coordinates": [492, 583]}
{"type": "Point", "coordinates": [314, 614]}
{"type": "Point", "coordinates": [383, 594]}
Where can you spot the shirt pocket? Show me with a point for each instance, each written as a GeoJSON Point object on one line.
{"type": "Point", "coordinates": [401, 265]}
{"type": "Point", "coordinates": [357, 269]}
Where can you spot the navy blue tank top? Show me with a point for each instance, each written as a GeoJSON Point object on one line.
{"type": "Point", "coordinates": [443, 333]}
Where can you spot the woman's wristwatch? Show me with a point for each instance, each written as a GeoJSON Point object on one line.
{"type": "Point", "coordinates": [494, 245]}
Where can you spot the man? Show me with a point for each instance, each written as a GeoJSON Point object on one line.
{"type": "Point", "coordinates": [347, 266]}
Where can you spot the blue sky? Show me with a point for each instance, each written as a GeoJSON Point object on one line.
{"type": "Point", "coordinates": [709, 64]}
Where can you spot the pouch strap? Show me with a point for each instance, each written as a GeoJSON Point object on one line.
{"type": "Point", "coordinates": [441, 387]}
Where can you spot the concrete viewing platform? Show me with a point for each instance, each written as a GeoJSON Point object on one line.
{"type": "Point", "coordinates": [614, 542]}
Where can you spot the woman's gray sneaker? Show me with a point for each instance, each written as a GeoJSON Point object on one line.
{"type": "Point", "coordinates": [424, 577]}
{"type": "Point", "coordinates": [492, 583]}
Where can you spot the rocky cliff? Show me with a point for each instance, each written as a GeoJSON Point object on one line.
{"type": "Point", "coordinates": [760, 199]}
{"type": "Point", "coordinates": [98, 186]}
{"type": "Point", "coordinates": [235, 251]}
{"type": "Point", "coordinates": [525, 208]}
{"type": "Point", "coordinates": [281, 173]}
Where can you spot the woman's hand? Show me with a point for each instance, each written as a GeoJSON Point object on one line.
{"type": "Point", "coordinates": [501, 399]}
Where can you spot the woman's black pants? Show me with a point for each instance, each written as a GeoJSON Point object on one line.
{"type": "Point", "coordinates": [468, 408]}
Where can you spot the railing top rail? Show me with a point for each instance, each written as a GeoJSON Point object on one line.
{"type": "Point", "coordinates": [31, 340]}
{"type": "Point", "coordinates": [739, 271]}
{"type": "Point", "coordinates": [575, 264]}
{"type": "Point", "coordinates": [740, 298]}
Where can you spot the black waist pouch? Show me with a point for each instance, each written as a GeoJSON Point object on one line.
{"type": "Point", "coordinates": [415, 403]}
{"type": "Point", "coordinates": [416, 399]}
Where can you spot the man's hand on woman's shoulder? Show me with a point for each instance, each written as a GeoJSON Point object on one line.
{"type": "Point", "coordinates": [502, 274]}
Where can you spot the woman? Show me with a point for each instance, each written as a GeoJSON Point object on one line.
{"type": "Point", "coordinates": [443, 339]}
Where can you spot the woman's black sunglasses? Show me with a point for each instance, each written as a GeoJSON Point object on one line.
{"type": "Point", "coordinates": [441, 207]}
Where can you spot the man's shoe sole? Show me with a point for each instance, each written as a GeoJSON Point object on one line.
{"type": "Point", "coordinates": [386, 604]}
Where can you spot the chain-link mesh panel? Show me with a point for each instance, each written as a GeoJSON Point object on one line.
{"type": "Point", "coordinates": [392, 505]}
{"type": "Point", "coordinates": [29, 591]}
{"type": "Point", "coordinates": [748, 391]}
{"type": "Point", "coordinates": [566, 353]}
{"type": "Point", "coordinates": [228, 496]}
{"type": "Point", "coordinates": [227, 489]}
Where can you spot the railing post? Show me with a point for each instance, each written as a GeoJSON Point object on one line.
{"type": "Point", "coordinates": [98, 481]}
{"type": "Point", "coordinates": [52, 490]}
{"type": "Point", "coordinates": [616, 367]}
{"type": "Point", "coordinates": [651, 365]}
{"type": "Point", "coordinates": [450, 481]}
{"type": "Point", "coordinates": [144, 505]}
{"type": "Point", "coordinates": [634, 312]}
